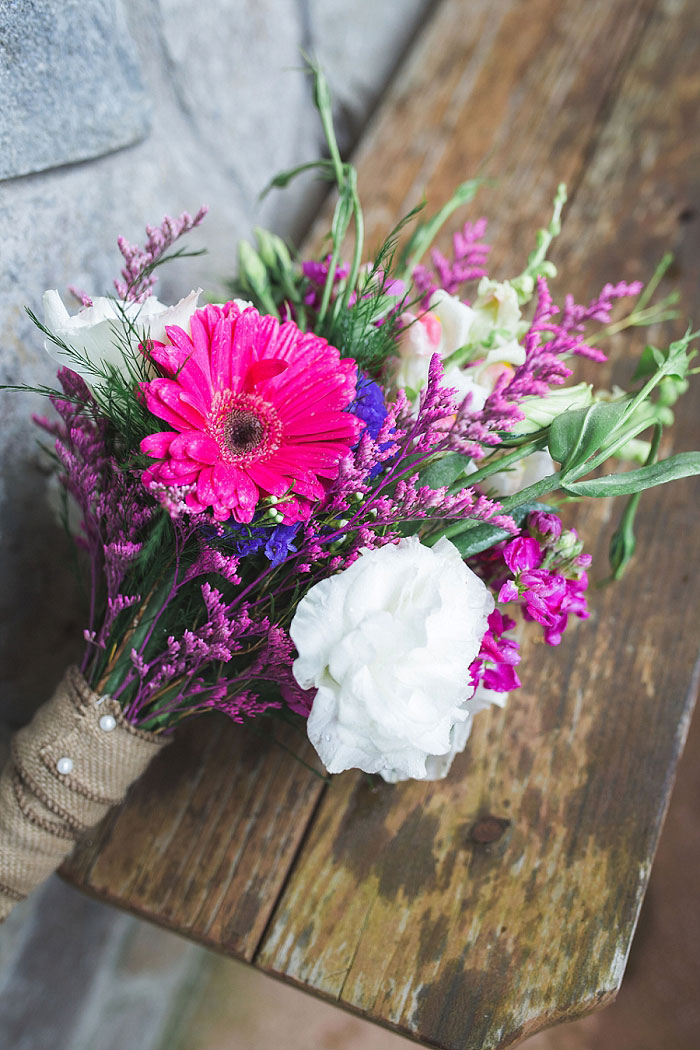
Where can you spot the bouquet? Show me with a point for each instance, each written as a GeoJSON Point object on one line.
{"type": "Point", "coordinates": [326, 500]}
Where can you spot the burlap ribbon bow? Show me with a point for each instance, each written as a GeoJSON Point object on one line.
{"type": "Point", "coordinates": [75, 760]}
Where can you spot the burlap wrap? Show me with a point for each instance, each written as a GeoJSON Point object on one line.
{"type": "Point", "coordinates": [43, 811]}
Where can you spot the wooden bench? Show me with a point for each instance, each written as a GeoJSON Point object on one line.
{"type": "Point", "coordinates": [470, 913]}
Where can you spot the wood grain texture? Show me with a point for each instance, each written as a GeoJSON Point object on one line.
{"type": "Point", "coordinates": [397, 907]}
{"type": "Point", "coordinates": [408, 903]}
{"type": "Point", "coordinates": [205, 840]}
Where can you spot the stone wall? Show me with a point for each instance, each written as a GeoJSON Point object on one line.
{"type": "Point", "coordinates": [112, 113]}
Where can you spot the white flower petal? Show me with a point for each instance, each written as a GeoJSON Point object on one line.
{"type": "Point", "coordinates": [387, 644]}
{"type": "Point", "coordinates": [97, 332]}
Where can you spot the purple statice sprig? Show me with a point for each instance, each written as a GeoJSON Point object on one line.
{"type": "Point", "coordinates": [115, 511]}
{"type": "Point", "coordinates": [137, 274]}
{"type": "Point", "coordinates": [553, 338]}
{"type": "Point", "coordinates": [468, 263]}
{"type": "Point", "coordinates": [379, 489]}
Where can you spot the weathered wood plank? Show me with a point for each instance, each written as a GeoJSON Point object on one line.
{"type": "Point", "coordinates": [205, 841]}
{"type": "Point", "coordinates": [395, 908]}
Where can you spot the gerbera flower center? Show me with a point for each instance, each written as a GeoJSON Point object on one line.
{"type": "Point", "coordinates": [245, 426]}
{"type": "Point", "coordinates": [243, 431]}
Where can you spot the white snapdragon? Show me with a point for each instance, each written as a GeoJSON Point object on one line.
{"type": "Point", "coordinates": [486, 334]}
{"type": "Point", "coordinates": [496, 313]}
{"type": "Point", "coordinates": [387, 645]}
{"type": "Point", "coordinates": [527, 471]}
{"type": "Point", "coordinates": [97, 332]}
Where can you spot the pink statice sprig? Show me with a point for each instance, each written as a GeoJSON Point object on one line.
{"type": "Point", "coordinates": [138, 277]}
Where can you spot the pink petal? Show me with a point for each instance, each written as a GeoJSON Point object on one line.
{"type": "Point", "coordinates": [157, 444]}
{"type": "Point", "coordinates": [260, 371]}
{"type": "Point", "coordinates": [205, 488]}
{"type": "Point", "coordinates": [266, 478]}
{"type": "Point", "coordinates": [163, 397]}
{"type": "Point", "coordinates": [332, 426]}
{"type": "Point", "coordinates": [197, 446]}
{"type": "Point", "coordinates": [221, 353]}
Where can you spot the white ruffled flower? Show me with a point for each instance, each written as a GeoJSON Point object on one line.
{"type": "Point", "coordinates": [97, 332]}
{"type": "Point", "coordinates": [438, 766]}
{"type": "Point", "coordinates": [387, 644]}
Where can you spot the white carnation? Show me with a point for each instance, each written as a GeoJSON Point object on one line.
{"type": "Point", "coordinates": [387, 644]}
{"type": "Point", "coordinates": [438, 766]}
{"type": "Point", "coordinates": [97, 332]}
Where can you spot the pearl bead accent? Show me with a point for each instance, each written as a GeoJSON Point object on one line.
{"type": "Point", "coordinates": [65, 765]}
{"type": "Point", "coordinates": [108, 723]}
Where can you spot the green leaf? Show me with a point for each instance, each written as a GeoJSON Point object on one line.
{"type": "Point", "coordinates": [650, 360]}
{"type": "Point", "coordinates": [683, 465]}
{"type": "Point", "coordinates": [482, 536]}
{"type": "Point", "coordinates": [575, 435]}
{"type": "Point", "coordinates": [444, 471]}
{"type": "Point", "coordinates": [283, 178]}
{"type": "Point", "coordinates": [479, 538]}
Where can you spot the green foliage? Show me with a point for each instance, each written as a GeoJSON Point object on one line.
{"type": "Point", "coordinates": [480, 536]}
{"type": "Point", "coordinates": [575, 435]}
{"type": "Point", "coordinates": [537, 264]}
{"type": "Point", "coordinates": [426, 232]}
{"type": "Point", "coordinates": [682, 465]}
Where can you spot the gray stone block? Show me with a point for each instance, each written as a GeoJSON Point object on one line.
{"type": "Point", "coordinates": [70, 83]}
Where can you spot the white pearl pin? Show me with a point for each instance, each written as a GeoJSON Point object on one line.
{"type": "Point", "coordinates": [108, 723]}
{"type": "Point", "coordinates": [65, 765]}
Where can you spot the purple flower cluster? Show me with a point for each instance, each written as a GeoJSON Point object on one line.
{"type": "Point", "coordinates": [316, 273]}
{"type": "Point", "coordinates": [115, 510]}
{"type": "Point", "coordinates": [382, 480]}
{"type": "Point", "coordinates": [498, 657]}
{"type": "Point", "coordinates": [548, 344]}
{"type": "Point", "coordinates": [548, 580]}
{"type": "Point", "coordinates": [137, 272]}
{"type": "Point", "coordinates": [469, 255]}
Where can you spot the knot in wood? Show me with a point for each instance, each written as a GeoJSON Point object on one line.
{"type": "Point", "coordinates": [488, 829]}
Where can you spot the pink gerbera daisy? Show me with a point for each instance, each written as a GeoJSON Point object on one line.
{"type": "Point", "coordinates": [258, 409]}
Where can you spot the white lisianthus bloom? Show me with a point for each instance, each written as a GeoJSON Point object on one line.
{"type": "Point", "coordinates": [387, 644]}
{"type": "Point", "coordinates": [527, 471]}
{"type": "Point", "coordinates": [438, 766]}
{"type": "Point", "coordinates": [97, 332]}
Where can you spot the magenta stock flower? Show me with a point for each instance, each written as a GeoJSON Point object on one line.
{"type": "Point", "coordinates": [257, 408]}
{"type": "Point", "coordinates": [522, 553]}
